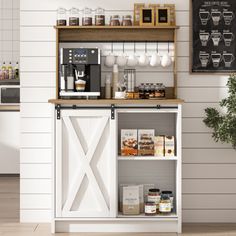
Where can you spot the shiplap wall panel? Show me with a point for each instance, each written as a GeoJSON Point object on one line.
{"type": "Point", "coordinates": [205, 201]}
{"type": "Point", "coordinates": [209, 186]}
{"type": "Point", "coordinates": [36, 201]}
{"type": "Point", "coordinates": [36, 140]}
{"type": "Point", "coordinates": [207, 166]}
{"type": "Point", "coordinates": [40, 79]}
{"type": "Point", "coordinates": [35, 155]}
{"type": "Point", "coordinates": [36, 125]}
{"type": "Point", "coordinates": [44, 186]}
{"type": "Point", "coordinates": [209, 156]}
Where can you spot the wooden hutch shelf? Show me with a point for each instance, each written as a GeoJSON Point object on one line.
{"type": "Point", "coordinates": [116, 33]}
{"type": "Point", "coordinates": [116, 102]}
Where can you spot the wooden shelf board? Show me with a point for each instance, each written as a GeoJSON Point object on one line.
{"type": "Point", "coordinates": [171, 27]}
{"type": "Point", "coordinates": [146, 158]}
{"type": "Point", "coordinates": [115, 102]}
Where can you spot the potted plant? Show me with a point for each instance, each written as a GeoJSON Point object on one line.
{"type": "Point", "coordinates": [224, 124]}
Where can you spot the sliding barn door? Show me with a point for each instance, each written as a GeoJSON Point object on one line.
{"type": "Point", "coordinates": [85, 164]}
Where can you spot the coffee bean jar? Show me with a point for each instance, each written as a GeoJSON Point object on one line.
{"type": "Point", "coordinates": [100, 17]}
{"type": "Point", "coordinates": [115, 20]}
{"type": "Point", "coordinates": [61, 16]}
{"type": "Point", "coordinates": [87, 19]}
{"type": "Point", "coordinates": [74, 17]}
{"type": "Point", "coordinates": [127, 20]}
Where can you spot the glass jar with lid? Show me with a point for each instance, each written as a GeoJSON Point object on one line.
{"type": "Point", "coordinates": [165, 205]}
{"type": "Point", "coordinates": [152, 91]}
{"type": "Point", "coordinates": [154, 196]}
{"type": "Point", "coordinates": [74, 17]}
{"type": "Point", "coordinates": [127, 20]}
{"type": "Point", "coordinates": [141, 91]}
{"type": "Point", "coordinates": [99, 17]}
{"type": "Point", "coordinates": [87, 19]}
{"type": "Point", "coordinates": [61, 16]}
{"type": "Point", "coordinates": [160, 91]}
{"type": "Point", "coordinates": [115, 20]}
{"type": "Point", "coordinates": [171, 196]}
{"type": "Point", "coordinates": [146, 91]}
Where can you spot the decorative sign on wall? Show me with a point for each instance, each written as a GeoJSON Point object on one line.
{"type": "Point", "coordinates": [213, 36]}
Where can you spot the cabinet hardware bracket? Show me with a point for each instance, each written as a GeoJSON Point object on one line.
{"type": "Point", "coordinates": [112, 111]}
{"type": "Point", "coordinates": [158, 107]}
{"type": "Point", "coordinates": [58, 109]}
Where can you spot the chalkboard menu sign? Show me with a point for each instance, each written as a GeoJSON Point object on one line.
{"type": "Point", "coordinates": [213, 36]}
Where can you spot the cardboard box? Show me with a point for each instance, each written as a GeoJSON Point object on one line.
{"type": "Point", "coordinates": [131, 200]}
{"type": "Point", "coordinates": [169, 146]}
{"type": "Point", "coordinates": [146, 142]}
{"type": "Point", "coordinates": [159, 146]}
{"type": "Point", "coordinates": [129, 142]}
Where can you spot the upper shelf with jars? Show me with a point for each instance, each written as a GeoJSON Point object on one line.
{"type": "Point", "coordinates": [149, 23]}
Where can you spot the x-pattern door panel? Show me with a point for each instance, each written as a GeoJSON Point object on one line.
{"type": "Point", "coordinates": [85, 164]}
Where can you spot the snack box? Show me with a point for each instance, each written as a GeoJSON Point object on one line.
{"type": "Point", "coordinates": [131, 200]}
{"type": "Point", "coordinates": [159, 146]}
{"type": "Point", "coordinates": [129, 142]}
{"type": "Point", "coordinates": [146, 142]}
{"type": "Point", "coordinates": [169, 146]}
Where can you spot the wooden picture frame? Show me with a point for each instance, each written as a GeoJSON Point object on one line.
{"type": "Point", "coordinates": [147, 16]}
{"type": "Point", "coordinates": [172, 13]}
{"type": "Point", "coordinates": [163, 16]}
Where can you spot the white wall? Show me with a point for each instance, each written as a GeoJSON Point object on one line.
{"type": "Point", "coordinates": [209, 169]}
{"type": "Point", "coordinates": [9, 31]}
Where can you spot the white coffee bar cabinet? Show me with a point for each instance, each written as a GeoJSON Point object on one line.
{"type": "Point", "coordinates": [88, 169]}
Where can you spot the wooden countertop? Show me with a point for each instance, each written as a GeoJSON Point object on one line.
{"type": "Point", "coordinates": [9, 107]}
{"type": "Point", "coordinates": [116, 102]}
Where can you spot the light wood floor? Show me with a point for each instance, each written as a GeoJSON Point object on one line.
{"type": "Point", "coordinates": [9, 218]}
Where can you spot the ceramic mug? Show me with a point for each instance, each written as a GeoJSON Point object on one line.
{"type": "Point", "coordinates": [143, 60]}
{"type": "Point", "coordinates": [155, 59]}
{"type": "Point", "coordinates": [121, 60]}
{"type": "Point", "coordinates": [132, 60]}
{"type": "Point", "coordinates": [110, 60]}
{"type": "Point", "coordinates": [166, 60]}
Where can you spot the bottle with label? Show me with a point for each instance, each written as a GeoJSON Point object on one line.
{"type": "Point", "coordinates": [16, 71]}
{"type": "Point", "coordinates": [108, 87]}
{"type": "Point", "coordinates": [115, 80]}
{"type": "Point", "coordinates": [4, 71]}
{"type": "Point", "coordinates": [10, 71]}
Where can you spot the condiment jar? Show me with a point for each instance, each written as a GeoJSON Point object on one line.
{"type": "Point", "coordinates": [152, 91]}
{"type": "Point", "coordinates": [99, 17]}
{"type": "Point", "coordinates": [150, 209]}
{"type": "Point", "coordinates": [154, 196]}
{"type": "Point", "coordinates": [61, 16]}
{"type": "Point", "coordinates": [115, 20]}
{"type": "Point", "coordinates": [170, 195]}
{"type": "Point", "coordinates": [160, 91]}
{"type": "Point", "coordinates": [87, 19]}
{"type": "Point", "coordinates": [127, 20]}
{"type": "Point", "coordinates": [141, 91]}
{"type": "Point", "coordinates": [74, 17]}
{"type": "Point", "coordinates": [165, 205]}
{"type": "Point", "coordinates": [146, 91]}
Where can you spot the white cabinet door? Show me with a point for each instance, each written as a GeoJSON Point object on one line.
{"type": "Point", "coordinates": [85, 164]}
{"type": "Point", "coordinates": [9, 142]}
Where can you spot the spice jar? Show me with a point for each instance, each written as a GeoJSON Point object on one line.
{"type": "Point", "coordinates": [127, 20]}
{"type": "Point", "coordinates": [115, 20]}
{"type": "Point", "coordinates": [61, 16]}
{"type": "Point", "coordinates": [165, 205]}
{"type": "Point", "coordinates": [152, 91]}
{"type": "Point", "coordinates": [146, 91]}
{"type": "Point", "coordinates": [74, 17]}
{"type": "Point", "coordinates": [160, 91]}
{"type": "Point", "coordinates": [170, 195]}
{"type": "Point", "coordinates": [87, 19]}
{"type": "Point", "coordinates": [150, 209]}
{"type": "Point", "coordinates": [141, 91]}
{"type": "Point", "coordinates": [154, 196]}
{"type": "Point", "coordinates": [99, 17]}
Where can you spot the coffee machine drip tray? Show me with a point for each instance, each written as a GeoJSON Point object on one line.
{"type": "Point", "coordinates": [87, 95]}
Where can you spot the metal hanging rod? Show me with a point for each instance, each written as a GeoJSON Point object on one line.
{"type": "Point", "coordinates": [111, 107]}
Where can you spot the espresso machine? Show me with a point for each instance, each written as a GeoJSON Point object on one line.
{"type": "Point", "coordinates": [80, 73]}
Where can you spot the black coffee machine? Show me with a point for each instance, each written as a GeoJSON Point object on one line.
{"type": "Point", "coordinates": [80, 73]}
